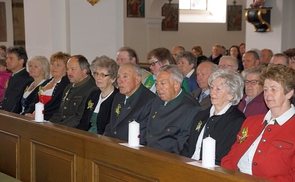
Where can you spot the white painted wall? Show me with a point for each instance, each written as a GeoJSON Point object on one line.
{"type": "Point", "coordinates": [281, 36]}
{"type": "Point", "coordinates": [138, 35]}
{"type": "Point", "coordinates": [76, 27]}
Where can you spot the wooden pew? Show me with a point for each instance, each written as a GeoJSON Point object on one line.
{"type": "Point", "coordinates": [32, 151]}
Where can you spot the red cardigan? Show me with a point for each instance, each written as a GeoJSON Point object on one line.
{"type": "Point", "coordinates": [274, 158]}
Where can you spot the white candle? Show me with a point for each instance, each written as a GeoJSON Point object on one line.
{"type": "Point", "coordinates": [39, 112]}
{"type": "Point", "coordinates": [133, 134]}
{"type": "Point", "coordinates": [208, 153]}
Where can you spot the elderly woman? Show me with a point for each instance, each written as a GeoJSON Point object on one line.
{"type": "Point", "coordinates": [221, 121]}
{"type": "Point", "coordinates": [252, 102]}
{"type": "Point", "coordinates": [265, 146]}
{"type": "Point", "coordinates": [38, 67]}
{"type": "Point", "coordinates": [98, 108]}
{"type": "Point", "coordinates": [51, 93]}
{"type": "Point", "coordinates": [187, 62]}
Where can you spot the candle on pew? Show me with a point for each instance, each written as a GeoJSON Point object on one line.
{"type": "Point", "coordinates": [208, 153]}
{"type": "Point", "coordinates": [133, 134]}
{"type": "Point", "coordinates": [39, 112]}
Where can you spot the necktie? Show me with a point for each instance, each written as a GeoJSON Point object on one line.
{"type": "Point", "coordinates": [202, 96]}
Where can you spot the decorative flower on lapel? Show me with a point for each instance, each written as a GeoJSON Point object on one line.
{"type": "Point", "coordinates": [40, 89]}
{"type": "Point", "coordinates": [66, 94]}
{"type": "Point", "coordinates": [117, 110]}
{"type": "Point", "coordinates": [149, 84]}
{"type": "Point", "coordinates": [27, 88]}
{"type": "Point", "coordinates": [154, 115]}
{"type": "Point", "coordinates": [90, 105]}
{"type": "Point", "coordinates": [244, 135]}
{"type": "Point", "coordinates": [199, 125]}
{"type": "Point", "coordinates": [6, 85]}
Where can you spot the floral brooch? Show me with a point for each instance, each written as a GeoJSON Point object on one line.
{"type": "Point", "coordinates": [154, 115]}
{"type": "Point", "coordinates": [199, 125]}
{"type": "Point", "coordinates": [244, 135]}
{"type": "Point", "coordinates": [117, 110]}
{"type": "Point", "coordinates": [40, 90]}
{"type": "Point", "coordinates": [90, 105]}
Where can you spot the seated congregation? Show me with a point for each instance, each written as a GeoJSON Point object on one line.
{"type": "Point", "coordinates": [242, 99]}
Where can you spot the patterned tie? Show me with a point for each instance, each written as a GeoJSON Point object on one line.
{"type": "Point", "coordinates": [202, 96]}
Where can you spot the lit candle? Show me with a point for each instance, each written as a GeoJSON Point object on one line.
{"type": "Point", "coordinates": [39, 109]}
{"type": "Point", "coordinates": [133, 134]}
{"type": "Point", "coordinates": [208, 153]}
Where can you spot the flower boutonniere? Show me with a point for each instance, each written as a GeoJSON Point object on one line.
{"type": "Point", "coordinates": [117, 110]}
{"type": "Point", "coordinates": [66, 94]}
{"type": "Point", "coordinates": [154, 115]}
{"type": "Point", "coordinates": [199, 125]}
{"type": "Point", "coordinates": [40, 90]}
{"type": "Point", "coordinates": [244, 135]}
{"type": "Point", "coordinates": [27, 88]}
{"type": "Point", "coordinates": [90, 105]}
{"type": "Point", "coordinates": [6, 85]}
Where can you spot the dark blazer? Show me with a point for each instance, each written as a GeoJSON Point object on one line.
{"type": "Point", "coordinates": [53, 104]}
{"type": "Point", "coordinates": [15, 90]}
{"type": "Point", "coordinates": [192, 82]}
{"type": "Point", "coordinates": [205, 102]}
{"type": "Point", "coordinates": [30, 100]}
{"type": "Point", "coordinates": [215, 60]}
{"type": "Point", "coordinates": [137, 107]}
{"type": "Point", "coordinates": [223, 128]}
{"type": "Point", "coordinates": [104, 114]}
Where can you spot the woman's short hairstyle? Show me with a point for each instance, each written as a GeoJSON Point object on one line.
{"type": "Point", "coordinates": [64, 57]}
{"type": "Point", "coordinates": [190, 57]}
{"type": "Point", "coordinates": [255, 70]}
{"type": "Point", "coordinates": [282, 74]}
{"type": "Point", "coordinates": [234, 82]}
{"type": "Point", "coordinates": [106, 63]}
{"type": "Point", "coordinates": [44, 63]}
{"type": "Point", "coordinates": [198, 49]}
{"type": "Point", "coordinates": [162, 55]}
{"type": "Point", "coordinates": [175, 72]}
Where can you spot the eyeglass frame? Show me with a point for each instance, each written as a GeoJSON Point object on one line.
{"type": "Point", "coordinates": [101, 75]}
{"type": "Point", "coordinates": [251, 82]}
{"type": "Point", "coordinates": [154, 63]}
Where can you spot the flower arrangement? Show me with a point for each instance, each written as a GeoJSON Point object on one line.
{"type": "Point", "coordinates": [199, 125]}
{"type": "Point", "coordinates": [244, 135]}
{"type": "Point", "coordinates": [90, 105]}
{"type": "Point", "coordinates": [117, 110]}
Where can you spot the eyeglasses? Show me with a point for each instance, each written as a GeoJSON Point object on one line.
{"type": "Point", "coordinates": [252, 82]}
{"type": "Point", "coordinates": [154, 63]}
{"type": "Point", "coordinates": [96, 74]}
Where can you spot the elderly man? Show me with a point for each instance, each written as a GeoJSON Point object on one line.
{"type": "Point", "coordinates": [171, 115]}
{"type": "Point", "coordinates": [16, 63]}
{"type": "Point", "coordinates": [266, 56]}
{"type": "Point", "coordinates": [75, 94]}
{"type": "Point", "coordinates": [176, 51]}
{"type": "Point", "coordinates": [250, 59]}
{"type": "Point", "coordinates": [279, 58]}
{"type": "Point", "coordinates": [127, 55]}
{"type": "Point", "coordinates": [204, 70]}
{"type": "Point", "coordinates": [132, 103]}
{"type": "Point", "coordinates": [228, 63]}
{"type": "Point", "coordinates": [216, 54]}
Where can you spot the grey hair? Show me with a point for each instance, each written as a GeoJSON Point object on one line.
{"type": "Point", "coordinates": [44, 63]}
{"type": "Point", "coordinates": [176, 73]}
{"type": "Point", "coordinates": [134, 66]}
{"type": "Point", "coordinates": [107, 63]}
{"type": "Point", "coordinates": [235, 60]}
{"type": "Point", "coordinates": [234, 82]}
{"type": "Point", "coordinates": [255, 70]}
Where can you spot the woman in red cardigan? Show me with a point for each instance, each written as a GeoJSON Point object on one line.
{"type": "Point", "coordinates": [265, 145]}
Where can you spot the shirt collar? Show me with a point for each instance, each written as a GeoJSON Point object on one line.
{"type": "Point", "coordinates": [282, 119]}
{"type": "Point", "coordinates": [190, 73]}
{"type": "Point", "coordinates": [222, 111]}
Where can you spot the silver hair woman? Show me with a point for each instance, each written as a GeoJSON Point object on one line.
{"type": "Point", "coordinates": [221, 121]}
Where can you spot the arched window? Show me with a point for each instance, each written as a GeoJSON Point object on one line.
{"type": "Point", "coordinates": [202, 11]}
